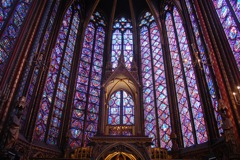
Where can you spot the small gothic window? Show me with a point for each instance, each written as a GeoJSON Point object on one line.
{"type": "Point", "coordinates": [121, 113]}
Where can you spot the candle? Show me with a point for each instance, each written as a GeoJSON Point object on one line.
{"type": "Point", "coordinates": [238, 87]}
{"type": "Point", "coordinates": [234, 94]}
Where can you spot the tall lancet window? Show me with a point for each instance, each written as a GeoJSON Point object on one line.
{"type": "Point", "coordinates": [12, 16]}
{"type": "Point", "coordinates": [53, 100]}
{"type": "Point", "coordinates": [122, 42]}
{"type": "Point", "coordinates": [156, 107]}
{"type": "Point", "coordinates": [188, 99]}
{"type": "Point", "coordinates": [201, 51]}
{"type": "Point", "coordinates": [87, 90]}
{"type": "Point", "coordinates": [229, 14]}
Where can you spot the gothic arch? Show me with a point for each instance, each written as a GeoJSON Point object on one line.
{"type": "Point", "coordinates": [122, 147]}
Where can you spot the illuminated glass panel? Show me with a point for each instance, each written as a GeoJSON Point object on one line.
{"type": "Point", "coordinates": [47, 101]}
{"type": "Point", "coordinates": [154, 84]}
{"type": "Point", "coordinates": [128, 48]}
{"type": "Point", "coordinates": [160, 88]}
{"type": "Point", "coordinates": [229, 24]}
{"type": "Point", "coordinates": [200, 128]}
{"type": "Point", "coordinates": [187, 129]}
{"type": "Point", "coordinates": [63, 83]}
{"type": "Point", "coordinates": [179, 84]}
{"type": "Point", "coordinates": [5, 7]}
{"type": "Point", "coordinates": [95, 85]}
{"type": "Point", "coordinates": [128, 109]}
{"type": "Point", "coordinates": [206, 68]}
{"type": "Point", "coordinates": [148, 91]}
{"type": "Point", "coordinates": [114, 107]}
{"type": "Point", "coordinates": [116, 48]}
{"type": "Point", "coordinates": [122, 42]}
{"type": "Point", "coordinates": [86, 99]}
{"type": "Point", "coordinates": [121, 109]}
{"type": "Point", "coordinates": [11, 32]}
{"type": "Point", "coordinates": [236, 7]}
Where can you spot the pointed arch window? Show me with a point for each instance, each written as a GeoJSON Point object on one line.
{"type": "Point", "coordinates": [52, 105]}
{"type": "Point", "coordinates": [189, 104]}
{"type": "Point", "coordinates": [120, 112]}
{"type": "Point", "coordinates": [207, 69]}
{"type": "Point", "coordinates": [12, 17]}
{"type": "Point", "coordinates": [156, 107]}
{"type": "Point", "coordinates": [228, 12]}
{"type": "Point", "coordinates": [122, 42]}
{"type": "Point", "coordinates": [85, 111]}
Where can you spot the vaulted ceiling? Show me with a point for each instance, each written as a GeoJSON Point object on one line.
{"type": "Point", "coordinates": [122, 7]}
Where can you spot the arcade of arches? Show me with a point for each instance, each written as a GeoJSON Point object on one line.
{"type": "Point", "coordinates": [120, 79]}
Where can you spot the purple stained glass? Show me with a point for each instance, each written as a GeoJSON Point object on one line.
{"type": "Point", "coordinates": [128, 48]}
{"type": "Point", "coordinates": [187, 130]}
{"type": "Point", "coordinates": [148, 95]}
{"type": "Point", "coordinates": [236, 7]}
{"type": "Point", "coordinates": [229, 24]}
{"type": "Point", "coordinates": [206, 68]}
{"type": "Point", "coordinates": [12, 29]}
{"type": "Point", "coordinates": [114, 109]}
{"type": "Point", "coordinates": [154, 85]}
{"type": "Point", "coordinates": [160, 88]}
{"type": "Point", "coordinates": [63, 82]}
{"type": "Point", "coordinates": [121, 109]}
{"type": "Point", "coordinates": [52, 83]}
{"type": "Point", "coordinates": [6, 6]}
{"type": "Point", "coordinates": [128, 109]}
{"type": "Point", "coordinates": [87, 94]}
{"type": "Point", "coordinates": [199, 122]}
{"type": "Point", "coordinates": [116, 48]}
{"type": "Point", "coordinates": [122, 42]}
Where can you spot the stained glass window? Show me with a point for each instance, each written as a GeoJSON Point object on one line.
{"type": "Point", "coordinates": [6, 6]}
{"type": "Point", "coordinates": [207, 70]}
{"type": "Point", "coordinates": [189, 104]}
{"type": "Point", "coordinates": [12, 29]}
{"type": "Point", "coordinates": [121, 113]}
{"type": "Point", "coordinates": [54, 93]}
{"type": "Point", "coordinates": [114, 109]}
{"type": "Point", "coordinates": [229, 14]}
{"type": "Point", "coordinates": [86, 98]}
{"type": "Point", "coordinates": [122, 42]}
{"type": "Point", "coordinates": [156, 108]}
